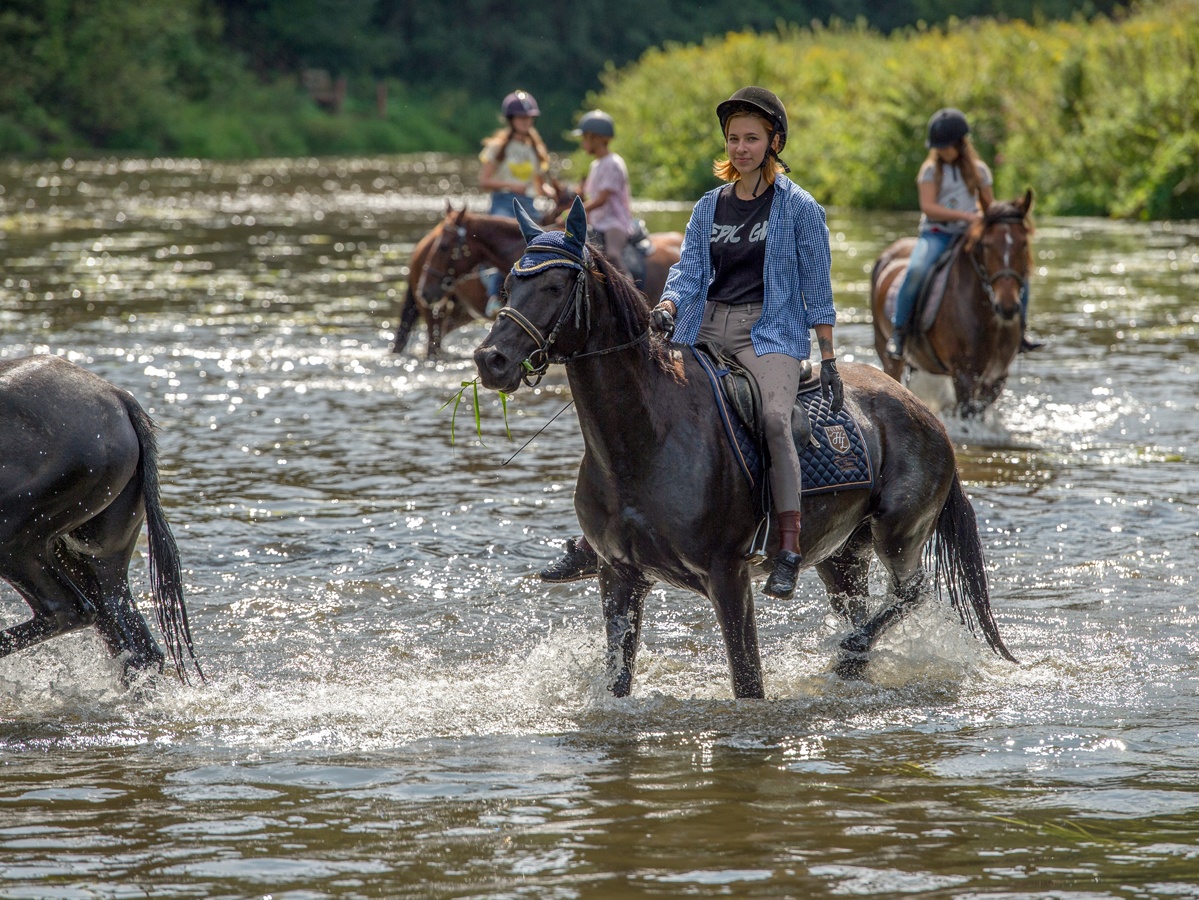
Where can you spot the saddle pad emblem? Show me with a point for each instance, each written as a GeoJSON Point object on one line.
{"type": "Point", "coordinates": [837, 438]}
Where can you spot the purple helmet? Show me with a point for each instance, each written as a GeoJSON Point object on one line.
{"type": "Point", "coordinates": [520, 103]}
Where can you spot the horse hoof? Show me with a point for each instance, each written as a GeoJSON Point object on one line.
{"type": "Point", "coordinates": [622, 685]}
{"type": "Point", "coordinates": [851, 667]}
{"type": "Point", "coordinates": [858, 642]}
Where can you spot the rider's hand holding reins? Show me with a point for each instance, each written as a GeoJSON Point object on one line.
{"type": "Point", "coordinates": [662, 316]}
{"type": "Point", "coordinates": [830, 385]}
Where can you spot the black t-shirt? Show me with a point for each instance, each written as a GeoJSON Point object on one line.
{"type": "Point", "coordinates": [738, 247]}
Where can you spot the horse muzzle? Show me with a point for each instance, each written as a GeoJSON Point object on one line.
{"type": "Point", "coordinates": [1005, 300]}
{"type": "Point", "coordinates": [497, 371]}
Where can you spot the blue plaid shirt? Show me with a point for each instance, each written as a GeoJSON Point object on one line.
{"type": "Point", "coordinates": [799, 289]}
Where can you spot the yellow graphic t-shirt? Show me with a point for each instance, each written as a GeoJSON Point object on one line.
{"type": "Point", "coordinates": [520, 162]}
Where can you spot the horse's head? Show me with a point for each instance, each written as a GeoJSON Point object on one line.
{"type": "Point", "coordinates": [998, 247]}
{"type": "Point", "coordinates": [551, 296]}
{"type": "Point", "coordinates": [449, 259]}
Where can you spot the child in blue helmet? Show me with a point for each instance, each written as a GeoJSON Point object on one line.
{"type": "Point", "coordinates": [605, 192]}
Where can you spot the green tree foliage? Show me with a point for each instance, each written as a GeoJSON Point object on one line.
{"type": "Point", "coordinates": [155, 76]}
{"type": "Point", "coordinates": [105, 70]}
{"type": "Point", "coordinates": [1097, 114]}
{"type": "Point", "coordinates": [1098, 117]}
{"type": "Point", "coordinates": [467, 54]}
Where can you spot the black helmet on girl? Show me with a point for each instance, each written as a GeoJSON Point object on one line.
{"type": "Point", "coordinates": [760, 102]}
{"type": "Point", "coordinates": [520, 103]}
{"type": "Point", "coordinates": [946, 128]}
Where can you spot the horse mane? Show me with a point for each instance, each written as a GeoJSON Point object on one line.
{"type": "Point", "coordinates": [629, 307]}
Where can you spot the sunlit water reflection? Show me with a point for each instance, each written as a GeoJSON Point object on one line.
{"type": "Point", "coordinates": [397, 708]}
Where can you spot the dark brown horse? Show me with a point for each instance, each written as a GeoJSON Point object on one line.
{"type": "Point", "coordinates": [977, 330]}
{"type": "Point", "coordinates": [442, 286]}
{"type": "Point", "coordinates": [78, 476]}
{"type": "Point", "coordinates": [463, 297]}
{"type": "Point", "coordinates": [661, 498]}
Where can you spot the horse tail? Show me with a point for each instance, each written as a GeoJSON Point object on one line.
{"type": "Point", "coordinates": [166, 578]}
{"type": "Point", "coordinates": [958, 552]}
{"type": "Point", "coordinates": [408, 314]}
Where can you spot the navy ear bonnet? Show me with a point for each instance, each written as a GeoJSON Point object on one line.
{"type": "Point", "coordinates": [547, 249]}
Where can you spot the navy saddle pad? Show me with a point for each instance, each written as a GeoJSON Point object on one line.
{"type": "Point", "coordinates": [834, 458]}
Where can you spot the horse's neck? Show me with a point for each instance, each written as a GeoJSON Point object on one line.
{"type": "Point", "coordinates": [970, 283]}
{"type": "Point", "coordinates": [617, 398]}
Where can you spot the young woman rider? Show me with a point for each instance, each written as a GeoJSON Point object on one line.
{"type": "Point", "coordinates": [754, 277]}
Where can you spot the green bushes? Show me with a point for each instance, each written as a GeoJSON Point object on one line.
{"type": "Point", "coordinates": [1099, 117]}
{"type": "Point", "coordinates": [152, 77]}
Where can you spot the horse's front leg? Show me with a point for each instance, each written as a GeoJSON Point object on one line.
{"type": "Point", "coordinates": [965, 390]}
{"type": "Point", "coordinates": [433, 324]}
{"type": "Point", "coordinates": [732, 594]}
{"type": "Point", "coordinates": [623, 597]}
{"type": "Point", "coordinates": [989, 393]}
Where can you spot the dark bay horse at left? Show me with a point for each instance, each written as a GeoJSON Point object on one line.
{"type": "Point", "coordinates": [456, 294]}
{"type": "Point", "coordinates": [78, 477]}
{"type": "Point", "coordinates": [661, 497]}
{"type": "Point", "coordinates": [442, 286]}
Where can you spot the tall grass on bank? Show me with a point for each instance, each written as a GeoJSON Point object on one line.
{"type": "Point", "coordinates": [1099, 117]}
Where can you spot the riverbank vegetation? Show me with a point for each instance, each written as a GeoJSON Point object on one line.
{"type": "Point", "coordinates": [1099, 117]}
{"type": "Point", "coordinates": [1092, 107]}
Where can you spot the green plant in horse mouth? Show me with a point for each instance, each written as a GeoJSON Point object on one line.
{"type": "Point", "coordinates": [473, 387]}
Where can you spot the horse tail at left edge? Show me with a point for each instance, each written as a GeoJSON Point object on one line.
{"type": "Point", "coordinates": [408, 316]}
{"type": "Point", "coordinates": [960, 566]}
{"type": "Point", "coordinates": [166, 576]}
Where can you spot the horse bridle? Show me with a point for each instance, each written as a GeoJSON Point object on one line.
{"type": "Point", "coordinates": [988, 279]}
{"type": "Point", "coordinates": [448, 278]}
{"type": "Point", "coordinates": [537, 363]}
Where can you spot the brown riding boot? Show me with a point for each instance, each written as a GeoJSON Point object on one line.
{"type": "Point", "coordinates": [781, 582]}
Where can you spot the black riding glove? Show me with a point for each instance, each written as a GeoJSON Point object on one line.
{"type": "Point", "coordinates": [830, 385]}
{"type": "Point", "coordinates": [661, 319]}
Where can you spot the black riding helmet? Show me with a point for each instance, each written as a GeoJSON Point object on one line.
{"type": "Point", "coordinates": [946, 128]}
{"type": "Point", "coordinates": [761, 102]}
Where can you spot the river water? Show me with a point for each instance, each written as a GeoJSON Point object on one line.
{"type": "Point", "coordinates": [396, 708]}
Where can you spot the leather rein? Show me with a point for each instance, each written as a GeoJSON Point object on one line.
{"type": "Point", "coordinates": [537, 363]}
{"type": "Point", "coordinates": [448, 278]}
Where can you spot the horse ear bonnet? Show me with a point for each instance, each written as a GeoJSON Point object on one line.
{"type": "Point", "coordinates": [554, 248]}
{"type": "Point", "coordinates": [528, 228]}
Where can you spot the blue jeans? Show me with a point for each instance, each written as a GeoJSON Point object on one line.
{"type": "Point", "coordinates": [929, 247]}
{"type": "Point", "coordinates": [501, 205]}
